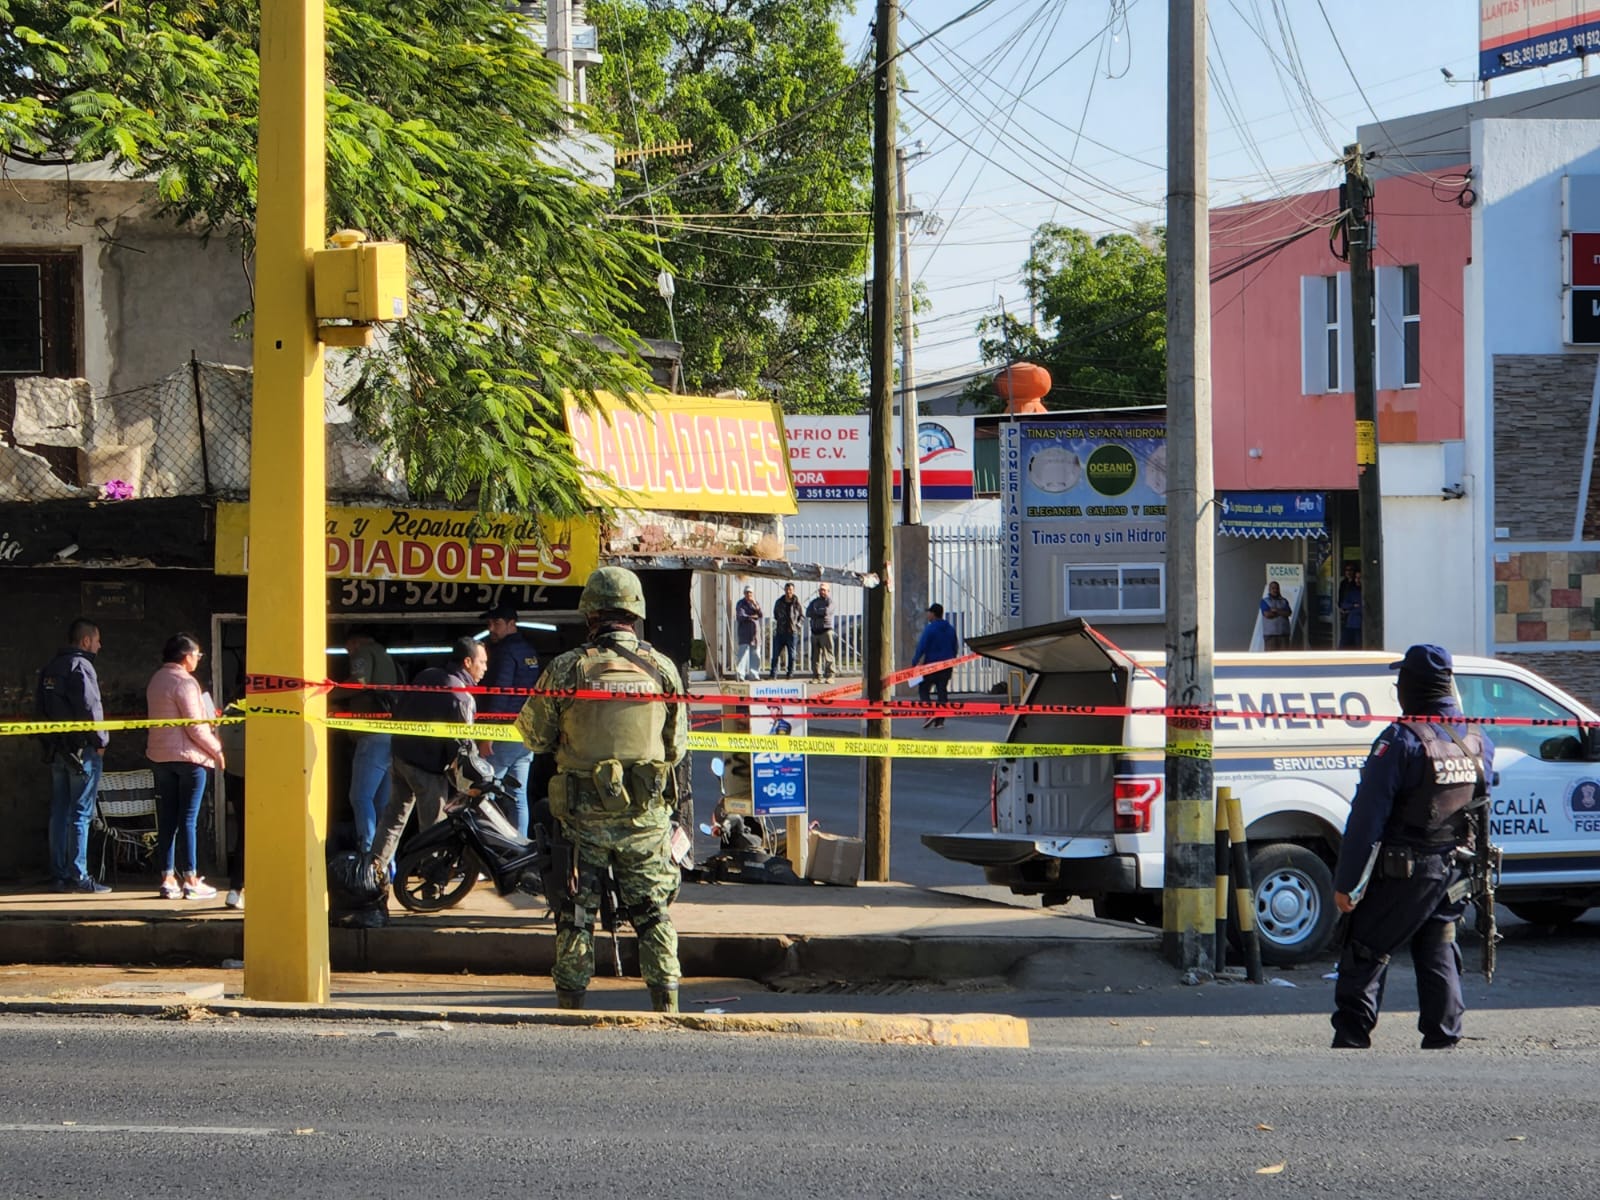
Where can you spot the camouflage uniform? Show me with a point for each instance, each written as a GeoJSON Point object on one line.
{"type": "Point", "coordinates": [613, 759]}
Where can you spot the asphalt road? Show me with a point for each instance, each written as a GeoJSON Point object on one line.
{"type": "Point", "coordinates": [113, 1108]}
{"type": "Point", "coordinates": [927, 796]}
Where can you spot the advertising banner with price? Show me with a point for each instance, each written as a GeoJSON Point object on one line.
{"type": "Point", "coordinates": [424, 546]}
{"type": "Point", "coordinates": [778, 780]}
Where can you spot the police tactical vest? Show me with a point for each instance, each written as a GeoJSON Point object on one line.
{"type": "Point", "coordinates": [1435, 811]}
{"type": "Point", "coordinates": [596, 730]}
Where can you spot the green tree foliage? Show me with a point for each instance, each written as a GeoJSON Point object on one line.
{"type": "Point", "coordinates": [768, 241]}
{"type": "Point", "coordinates": [442, 132]}
{"type": "Point", "coordinates": [1103, 309]}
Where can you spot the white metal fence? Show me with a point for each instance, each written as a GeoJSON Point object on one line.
{"type": "Point", "coordinates": [963, 573]}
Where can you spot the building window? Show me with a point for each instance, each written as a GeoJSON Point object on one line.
{"type": "Point", "coordinates": [1411, 310]}
{"type": "Point", "coordinates": [39, 314]}
{"type": "Point", "coordinates": [1114, 589]}
{"type": "Point", "coordinates": [1331, 325]}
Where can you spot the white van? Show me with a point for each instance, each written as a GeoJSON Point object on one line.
{"type": "Point", "coordinates": [1093, 826]}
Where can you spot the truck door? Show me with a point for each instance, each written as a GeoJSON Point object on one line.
{"type": "Point", "coordinates": [1546, 809]}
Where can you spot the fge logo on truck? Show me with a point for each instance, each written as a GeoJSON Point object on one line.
{"type": "Point", "coordinates": [1292, 750]}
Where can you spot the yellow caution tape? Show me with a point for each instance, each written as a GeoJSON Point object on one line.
{"type": "Point", "coordinates": [728, 743]}
{"type": "Point", "coordinates": [42, 727]}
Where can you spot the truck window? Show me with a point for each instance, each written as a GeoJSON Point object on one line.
{"type": "Point", "coordinates": [1493, 696]}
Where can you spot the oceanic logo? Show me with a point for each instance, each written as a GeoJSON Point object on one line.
{"type": "Point", "coordinates": [1583, 803]}
{"type": "Point", "coordinates": [932, 439]}
{"type": "Point", "coordinates": [1111, 470]}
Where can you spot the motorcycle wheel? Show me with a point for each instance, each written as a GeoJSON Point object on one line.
{"type": "Point", "coordinates": [434, 879]}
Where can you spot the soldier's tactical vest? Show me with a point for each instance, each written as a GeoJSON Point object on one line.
{"type": "Point", "coordinates": [596, 730]}
{"type": "Point", "coordinates": [1435, 812]}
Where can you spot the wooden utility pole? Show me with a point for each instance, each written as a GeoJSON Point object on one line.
{"type": "Point", "coordinates": [880, 465]}
{"type": "Point", "coordinates": [910, 463]}
{"type": "Point", "coordinates": [286, 801]}
{"type": "Point", "coordinates": [1359, 231]}
{"type": "Point", "coordinates": [1188, 915]}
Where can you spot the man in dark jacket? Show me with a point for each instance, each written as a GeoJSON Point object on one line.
{"type": "Point", "coordinates": [1400, 872]}
{"type": "Point", "coordinates": [820, 614]}
{"type": "Point", "coordinates": [69, 690]}
{"type": "Point", "coordinates": [417, 773]}
{"type": "Point", "coordinates": [512, 664]}
{"type": "Point", "coordinates": [785, 629]}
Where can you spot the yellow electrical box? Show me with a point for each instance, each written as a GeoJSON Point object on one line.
{"type": "Point", "coordinates": [358, 280]}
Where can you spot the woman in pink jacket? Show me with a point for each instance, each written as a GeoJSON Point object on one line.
{"type": "Point", "coordinates": [180, 754]}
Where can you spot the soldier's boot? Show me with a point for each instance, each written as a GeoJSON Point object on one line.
{"type": "Point", "coordinates": [664, 998]}
{"type": "Point", "coordinates": [569, 999]}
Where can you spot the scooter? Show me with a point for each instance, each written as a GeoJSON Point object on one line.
{"type": "Point", "coordinates": [441, 864]}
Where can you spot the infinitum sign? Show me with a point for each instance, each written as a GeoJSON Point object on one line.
{"type": "Point", "coordinates": [1514, 35]}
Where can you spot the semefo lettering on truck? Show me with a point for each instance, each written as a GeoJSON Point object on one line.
{"type": "Point", "coordinates": [1292, 710]}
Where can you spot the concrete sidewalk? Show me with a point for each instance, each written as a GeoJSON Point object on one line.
{"type": "Point", "coordinates": [875, 932]}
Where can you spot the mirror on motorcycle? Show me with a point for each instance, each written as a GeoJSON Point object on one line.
{"type": "Point", "coordinates": [718, 767]}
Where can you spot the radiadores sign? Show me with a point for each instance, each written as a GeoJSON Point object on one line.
{"type": "Point", "coordinates": [828, 456]}
{"type": "Point", "coordinates": [1514, 35]}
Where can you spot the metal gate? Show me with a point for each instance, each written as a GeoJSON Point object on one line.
{"type": "Point", "coordinates": [963, 573]}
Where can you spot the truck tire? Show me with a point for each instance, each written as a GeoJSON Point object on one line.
{"type": "Point", "coordinates": [1295, 913]}
{"type": "Point", "coordinates": [1546, 912]}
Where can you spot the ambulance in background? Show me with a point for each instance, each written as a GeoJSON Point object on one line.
{"type": "Point", "coordinates": [1092, 825]}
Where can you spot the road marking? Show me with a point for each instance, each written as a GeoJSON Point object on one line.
{"type": "Point", "coordinates": [203, 1130]}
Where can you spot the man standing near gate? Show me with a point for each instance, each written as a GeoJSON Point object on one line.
{"type": "Point", "coordinates": [69, 690]}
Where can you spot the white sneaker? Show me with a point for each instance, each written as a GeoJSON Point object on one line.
{"type": "Point", "coordinates": [198, 889]}
{"type": "Point", "coordinates": [235, 899]}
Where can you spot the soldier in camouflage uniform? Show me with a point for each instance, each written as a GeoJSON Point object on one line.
{"type": "Point", "coordinates": [613, 762]}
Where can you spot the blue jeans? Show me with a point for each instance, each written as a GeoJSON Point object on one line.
{"type": "Point", "coordinates": [72, 794]}
{"type": "Point", "coordinates": [782, 642]}
{"type": "Point", "coordinates": [511, 761]}
{"type": "Point", "coordinates": [369, 784]}
{"type": "Point", "coordinates": [180, 787]}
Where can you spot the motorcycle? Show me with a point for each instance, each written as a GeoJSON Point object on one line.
{"type": "Point", "coordinates": [440, 865]}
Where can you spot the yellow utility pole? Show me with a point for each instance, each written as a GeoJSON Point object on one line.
{"type": "Point", "coordinates": [286, 923]}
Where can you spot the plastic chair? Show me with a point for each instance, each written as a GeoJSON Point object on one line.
{"type": "Point", "coordinates": [125, 820]}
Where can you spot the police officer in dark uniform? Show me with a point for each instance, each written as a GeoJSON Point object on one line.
{"type": "Point", "coordinates": [1399, 876]}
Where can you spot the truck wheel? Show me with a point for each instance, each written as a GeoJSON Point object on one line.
{"type": "Point", "coordinates": [1547, 912]}
{"type": "Point", "coordinates": [1294, 903]}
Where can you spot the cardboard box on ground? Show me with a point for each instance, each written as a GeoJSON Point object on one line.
{"type": "Point", "coordinates": [834, 859]}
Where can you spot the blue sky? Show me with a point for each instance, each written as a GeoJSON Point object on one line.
{"type": "Point", "coordinates": [1039, 110]}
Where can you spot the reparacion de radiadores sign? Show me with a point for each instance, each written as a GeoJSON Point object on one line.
{"type": "Point", "coordinates": [1514, 35]}
{"type": "Point", "coordinates": [684, 453]}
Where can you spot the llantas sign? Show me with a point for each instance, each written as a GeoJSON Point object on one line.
{"type": "Point", "coordinates": [432, 545]}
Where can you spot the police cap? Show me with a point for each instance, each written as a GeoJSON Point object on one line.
{"type": "Point", "coordinates": [1424, 659]}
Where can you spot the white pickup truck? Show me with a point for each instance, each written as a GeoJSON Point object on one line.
{"type": "Point", "coordinates": [1092, 825]}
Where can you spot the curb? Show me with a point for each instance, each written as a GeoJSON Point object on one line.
{"type": "Point", "coordinates": [437, 949]}
{"type": "Point", "coordinates": [974, 1030]}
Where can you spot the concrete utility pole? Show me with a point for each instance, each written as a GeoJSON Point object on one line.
{"type": "Point", "coordinates": [1188, 915]}
{"type": "Point", "coordinates": [913, 588]}
{"type": "Point", "coordinates": [1360, 236]}
{"type": "Point", "coordinates": [911, 466]}
{"type": "Point", "coordinates": [286, 802]}
{"type": "Point", "coordinates": [880, 466]}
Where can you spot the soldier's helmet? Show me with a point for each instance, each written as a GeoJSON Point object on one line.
{"type": "Point", "coordinates": [615, 588]}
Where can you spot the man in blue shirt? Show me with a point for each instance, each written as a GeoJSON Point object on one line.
{"type": "Point", "coordinates": [938, 643]}
{"type": "Point", "coordinates": [1402, 865]}
{"type": "Point", "coordinates": [69, 690]}
{"type": "Point", "coordinates": [512, 664]}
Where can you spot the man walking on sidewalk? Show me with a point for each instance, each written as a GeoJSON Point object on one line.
{"type": "Point", "coordinates": [938, 643]}
{"type": "Point", "coordinates": [69, 690]}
